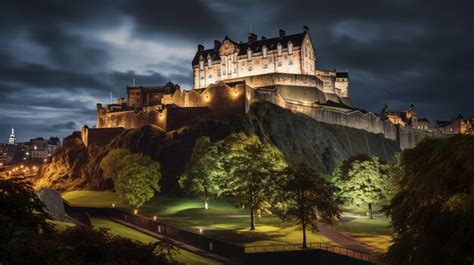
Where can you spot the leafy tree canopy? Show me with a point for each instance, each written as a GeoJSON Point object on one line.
{"type": "Point", "coordinates": [433, 211]}
{"type": "Point", "coordinates": [203, 170]}
{"type": "Point", "coordinates": [138, 179]}
{"type": "Point", "coordinates": [365, 180]}
{"type": "Point", "coordinates": [306, 197]}
{"type": "Point", "coordinates": [110, 163]}
{"type": "Point", "coordinates": [250, 164]}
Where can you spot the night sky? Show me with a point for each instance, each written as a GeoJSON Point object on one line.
{"type": "Point", "coordinates": [59, 58]}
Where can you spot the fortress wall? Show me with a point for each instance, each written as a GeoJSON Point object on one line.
{"type": "Point", "coordinates": [266, 80]}
{"type": "Point", "coordinates": [409, 137]}
{"type": "Point", "coordinates": [176, 117]}
{"type": "Point", "coordinates": [215, 97]}
{"type": "Point", "coordinates": [355, 119]}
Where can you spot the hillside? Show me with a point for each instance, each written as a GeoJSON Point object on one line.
{"type": "Point", "coordinates": [300, 138]}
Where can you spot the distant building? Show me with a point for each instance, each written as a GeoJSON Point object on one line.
{"type": "Point", "coordinates": [406, 118]}
{"type": "Point", "coordinates": [458, 125]}
{"type": "Point", "coordinates": [12, 138]}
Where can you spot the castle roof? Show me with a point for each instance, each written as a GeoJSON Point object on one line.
{"type": "Point", "coordinates": [255, 46]}
{"type": "Point", "coordinates": [342, 74]}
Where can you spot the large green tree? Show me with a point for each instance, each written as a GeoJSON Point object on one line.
{"type": "Point", "coordinates": [203, 170]}
{"type": "Point", "coordinates": [137, 179]}
{"type": "Point", "coordinates": [110, 163]}
{"type": "Point", "coordinates": [306, 197]}
{"type": "Point", "coordinates": [363, 180]}
{"type": "Point", "coordinates": [433, 211]}
{"type": "Point", "coordinates": [250, 164]}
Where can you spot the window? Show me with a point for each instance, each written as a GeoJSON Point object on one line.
{"type": "Point", "coordinates": [279, 49]}
{"type": "Point", "coordinates": [279, 63]}
{"type": "Point", "coordinates": [250, 68]}
{"type": "Point", "coordinates": [223, 72]}
{"type": "Point", "coordinates": [271, 60]}
{"type": "Point", "coordinates": [249, 54]}
{"type": "Point", "coordinates": [290, 47]}
{"type": "Point", "coordinates": [265, 66]}
{"type": "Point", "coordinates": [291, 62]}
{"type": "Point", "coordinates": [209, 62]}
{"type": "Point", "coordinates": [210, 76]}
{"type": "Point", "coordinates": [264, 51]}
{"type": "Point", "coordinates": [201, 65]}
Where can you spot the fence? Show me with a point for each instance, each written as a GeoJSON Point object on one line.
{"type": "Point", "coordinates": [321, 246]}
{"type": "Point", "coordinates": [221, 248]}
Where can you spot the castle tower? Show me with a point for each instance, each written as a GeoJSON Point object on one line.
{"type": "Point", "coordinates": [12, 138]}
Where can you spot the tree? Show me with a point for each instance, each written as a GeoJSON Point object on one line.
{"type": "Point", "coordinates": [110, 163]}
{"type": "Point", "coordinates": [202, 171]}
{"type": "Point", "coordinates": [22, 215]}
{"type": "Point", "coordinates": [137, 179]}
{"type": "Point", "coordinates": [363, 181]}
{"type": "Point", "coordinates": [307, 198]}
{"type": "Point", "coordinates": [250, 164]}
{"type": "Point", "coordinates": [433, 211]}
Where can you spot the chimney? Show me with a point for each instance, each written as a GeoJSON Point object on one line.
{"type": "Point", "coordinates": [252, 37]}
{"type": "Point", "coordinates": [200, 47]}
{"type": "Point", "coordinates": [217, 44]}
{"type": "Point", "coordinates": [282, 33]}
{"type": "Point", "coordinates": [306, 29]}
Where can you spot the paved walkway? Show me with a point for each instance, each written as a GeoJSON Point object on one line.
{"type": "Point", "coordinates": [179, 244]}
{"type": "Point", "coordinates": [342, 239]}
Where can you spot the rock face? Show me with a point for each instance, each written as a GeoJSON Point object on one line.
{"type": "Point", "coordinates": [300, 138]}
{"type": "Point", "coordinates": [53, 202]}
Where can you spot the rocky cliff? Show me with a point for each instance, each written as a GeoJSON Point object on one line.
{"type": "Point", "coordinates": [299, 137]}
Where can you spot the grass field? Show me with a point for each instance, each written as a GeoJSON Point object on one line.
{"type": "Point", "coordinates": [375, 233]}
{"type": "Point", "coordinates": [222, 220]}
{"type": "Point", "coordinates": [183, 256]}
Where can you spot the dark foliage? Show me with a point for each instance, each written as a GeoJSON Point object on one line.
{"type": "Point", "coordinates": [433, 212]}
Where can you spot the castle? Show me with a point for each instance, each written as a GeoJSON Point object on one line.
{"type": "Point", "coordinates": [230, 76]}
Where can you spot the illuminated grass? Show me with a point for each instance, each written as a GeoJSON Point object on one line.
{"type": "Point", "coordinates": [93, 198]}
{"type": "Point", "coordinates": [373, 232]}
{"type": "Point", "coordinates": [222, 220]}
{"type": "Point", "coordinates": [183, 256]}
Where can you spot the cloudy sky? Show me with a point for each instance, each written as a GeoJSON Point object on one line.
{"type": "Point", "coordinates": [59, 58]}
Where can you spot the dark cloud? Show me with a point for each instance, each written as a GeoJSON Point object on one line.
{"type": "Point", "coordinates": [57, 60]}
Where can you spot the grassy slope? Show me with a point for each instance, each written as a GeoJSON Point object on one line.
{"type": "Point", "coordinates": [222, 220]}
{"type": "Point", "coordinates": [183, 256]}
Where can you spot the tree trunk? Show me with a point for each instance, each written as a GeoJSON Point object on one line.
{"type": "Point", "coordinates": [304, 234]}
{"type": "Point", "coordinates": [371, 216]}
{"type": "Point", "coordinates": [252, 218]}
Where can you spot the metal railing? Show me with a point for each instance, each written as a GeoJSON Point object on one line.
{"type": "Point", "coordinates": [322, 246]}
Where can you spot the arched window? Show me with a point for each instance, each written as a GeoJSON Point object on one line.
{"type": "Point", "coordinates": [279, 49]}
{"type": "Point", "coordinates": [249, 54]}
{"type": "Point", "coordinates": [201, 65]}
{"type": "Point", "coordinates": [264, 51]}
{"type": "Point", "coordinates": [290, 47]}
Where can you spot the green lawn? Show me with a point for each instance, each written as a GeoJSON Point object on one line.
{"type": "Point", "coordinates": [375, 233]}
{"type": "Point", "coordinates": [183, 256]}
{"type": "Point", "coordinates": [222, 220]}
{"type": "Point", "coordinates": [93, 198]}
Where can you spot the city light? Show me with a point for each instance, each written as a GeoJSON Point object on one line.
{"type": "Point", "coordinates": [135, 211]}
{"type": "Point", "coordinates": [113, 205]}
{"type": "Point", "coordinates": [154, 217]}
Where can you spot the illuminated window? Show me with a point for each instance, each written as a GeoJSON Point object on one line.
{"type": "Point", "coordinates": [201, 65]}
{"type": "Point", "coordinates": [249, 54]}
{"type": "Point", "coordinates": [290, 47]}
{"type": "Point", "coordinates": [209, 62]}
{"type": "Point", "coordinates": [264, 51]}
{"type": "Point", "coordinates": [279, 49]}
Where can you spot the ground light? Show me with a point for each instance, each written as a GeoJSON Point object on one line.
{"type": "Point", "coordinates": [113, 205]}
{"type": "Point", "coordinates": [154, 217]}
{"type": "Point", "coordinates": [135, 211]}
